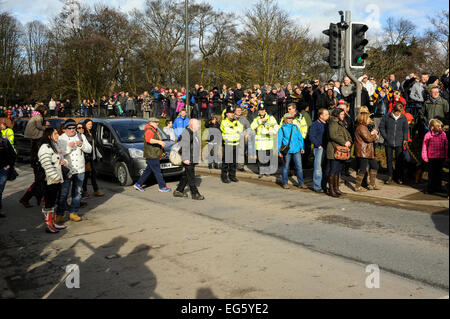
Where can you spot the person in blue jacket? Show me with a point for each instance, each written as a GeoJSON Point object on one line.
{"type": "Point", "coordinates": [296, 148]}
{"type": "Point", "coordinates": [180, 123]}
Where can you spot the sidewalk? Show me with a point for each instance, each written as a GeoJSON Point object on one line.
{"type": "Point", "coordinates": [401, 196]}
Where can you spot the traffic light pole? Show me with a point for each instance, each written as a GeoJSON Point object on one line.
{"type": "Point", "coordinates": [347, 54]}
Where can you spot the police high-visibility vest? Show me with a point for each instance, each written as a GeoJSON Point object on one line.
{"type": "Point", "coordinates": [263, 140]}
{"type": "Point", "coordinates": [9, 135]}
{"type": "Point", "coordinates": [231, 131]}
{"type": "Point", "coordinates": [301, 124]}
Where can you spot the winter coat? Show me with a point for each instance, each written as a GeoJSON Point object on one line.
{"type": "Point", "coordinates": [435, 145]}
{"type": "Point", "coordinates": [35, 128]}
{"type": "Point", "coordinates": [297, 143]}
{"type": "Point", "coordinates": [74, 156]}
{"type": "Point", "coordinates": [190, 146]}
{"type": "Point", "coordinates": [436, 109]}
{"type": "Point", "coordinates": [130, 106]}
{"type": "Point", "coordinates": [394, 132]}
{"type": "Point", "coordinates": [338, 134]}
{"type": "Point", "coordinates": [50, 162]}
{"type": "Point", "coordinates": [179, 125]}
{"type": "Point", "coordinates": [364, 142]}
{"type": "Point", "coordinates": [417, 92]}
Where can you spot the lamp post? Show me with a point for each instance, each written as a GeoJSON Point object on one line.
{"type": "Point", "coordinates": [186, 54]}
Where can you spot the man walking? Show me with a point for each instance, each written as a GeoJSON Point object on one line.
{"type": "Point", "coordinates": [318, 137]}
{"type": "Point", "coordinates": [73, 146]}
{"type": "Point", "coordinates": [190, 148]}
{"type": "Point", "coordinates": [153, 150]}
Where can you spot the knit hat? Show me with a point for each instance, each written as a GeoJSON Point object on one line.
{"type": "Point", "coordinates": [69, 123]}
{"type": "Point", "coordinates": [342, 101]}
{"type": "Point", "coordinates": [432, 79]}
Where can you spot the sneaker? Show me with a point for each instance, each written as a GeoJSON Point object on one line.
{"type": "Point", "coordinates": [139, 187]}
{"type": "Point", "coordinates": [286, 186]}
{"type": "Point", "coordinates": [179, 194]}
{"type": "Point", "coordinates": [85, 195]}
{"type": "Point", "coordinates": [164, 190]}
{"type": "Point", "coordinates": [303, 186]}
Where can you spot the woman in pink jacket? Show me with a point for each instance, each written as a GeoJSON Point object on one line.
{"type": "Point", "coordinates": [435, 152]}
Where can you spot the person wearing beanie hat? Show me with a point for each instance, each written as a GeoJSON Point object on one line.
{"type": "Point", "coordinates": [433, 80]}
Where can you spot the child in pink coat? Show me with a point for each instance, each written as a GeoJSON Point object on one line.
{"type": "Point", "coordinates": [435, 152]}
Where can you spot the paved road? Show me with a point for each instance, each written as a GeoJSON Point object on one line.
{"type": "Point", "coordinates": [245, 240]}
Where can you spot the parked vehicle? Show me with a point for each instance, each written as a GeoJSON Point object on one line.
{"type": "Point", "coordinates": [22, 144]}
{"type": "Point", "coordinates": [120, 145]}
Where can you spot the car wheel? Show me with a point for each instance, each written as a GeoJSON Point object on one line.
{"type": "Point", "coordinates": [123, 175]}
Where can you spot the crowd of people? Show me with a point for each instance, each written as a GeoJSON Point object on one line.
{"type": "Point", "coordinates": [270, 125]}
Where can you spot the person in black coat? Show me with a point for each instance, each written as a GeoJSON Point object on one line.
{"type": "Point", "coordinates": [271, 102]}
{"type": "Point", "coordinates": [394, 129]}
{"type": "Point", "coordinates": [190, 155]}
{"type": "Point", "coordinates": [7, 160]}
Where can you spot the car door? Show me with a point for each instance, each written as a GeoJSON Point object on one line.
{"type": "Point", "coordinates": [106, 149]}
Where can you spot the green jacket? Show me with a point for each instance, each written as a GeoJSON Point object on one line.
{"type": "Point", "coordinates": [338, 134]}
{"type": "Point", "coordinates": [437, 110]}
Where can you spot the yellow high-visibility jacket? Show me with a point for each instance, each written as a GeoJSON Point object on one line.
{"type": "Point", "coordinates": [263, 140]}
{"type": "Point", "coordinates": [9, 135]}
{"type": "Point", "coordinates": [231, 131]}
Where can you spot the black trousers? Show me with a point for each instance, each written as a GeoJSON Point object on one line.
{"type": "Point", "coordinates": [363, 163]}
{"type": "Point", "coordinates": [398, 172]}
{"type": "Point", "coordinates": [434, 169]}
{"type": "Point", "coordinates": [229, 169]}
{"type": "Point", "coordinates": [188, 178]}
{"type": "Point", "coordinates": [52, 194]}
{"type": "Point", "coordinates": [93, 176]}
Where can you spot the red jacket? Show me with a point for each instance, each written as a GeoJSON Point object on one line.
{"type": "Point", "coordinates": [393, 102]}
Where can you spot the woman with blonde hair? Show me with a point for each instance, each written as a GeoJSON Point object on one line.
{"type": "Point", "coordinates": [365, 151]}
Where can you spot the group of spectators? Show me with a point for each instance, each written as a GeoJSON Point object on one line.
{"type": "Point", "coordinates": [311, 122]}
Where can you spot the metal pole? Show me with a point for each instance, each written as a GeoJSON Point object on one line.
{"type": "Point", "coordinates": [186, 55]}
{"type": "Point", "coordinates": [347, 60]}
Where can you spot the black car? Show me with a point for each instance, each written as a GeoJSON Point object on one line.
{"type": "Point", "coordinates": [120, 146]}
{"type": "Point", "coordinates": [22, 144]}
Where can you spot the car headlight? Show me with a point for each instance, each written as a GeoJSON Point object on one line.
{"type": "Point", "coordinates": [135, 153]}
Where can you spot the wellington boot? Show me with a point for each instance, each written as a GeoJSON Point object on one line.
{"type": "Point", "coordinates": [358, 187]}
{"type": "Point", "coordinates": [48, 214]}
{"type": "Point", "coordinates": [372, 180]}
{"type": "Point", "coordinates": [331, 191]}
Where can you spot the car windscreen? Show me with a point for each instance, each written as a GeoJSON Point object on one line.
{"type": "Point", "coordinates": [133, 132]}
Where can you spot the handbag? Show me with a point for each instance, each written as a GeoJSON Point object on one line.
{"type": "Point", "coordinates": [284, 149]}
{"type": "Point", "coordinates": [341, 153]}
{"type": "Point", "coordinates": [174, 156]}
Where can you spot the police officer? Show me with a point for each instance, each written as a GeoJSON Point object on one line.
{"type": "Point", "coordinates": [266, 128]}
{"type": "Point", "coordinates": [231, 134]}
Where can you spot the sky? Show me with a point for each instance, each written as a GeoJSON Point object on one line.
{"type": "Point", "coordinates": [312, 13]}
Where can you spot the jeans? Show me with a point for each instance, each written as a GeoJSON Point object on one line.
{"type": "Point", "coordinates": [3, 179]}
{"type": "Point", "coordinates": [398, 173]}
{"type": "Point", "coordinates": [77, 180]}
{"type": "Point", "coordinates": [319, 156]}
{"type": "Point", "coordinates": [153, 165]}
{"type": "Point", "coordinates": [298, 166]}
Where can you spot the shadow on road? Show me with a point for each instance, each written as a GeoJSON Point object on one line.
{"type": "Point", "coordinates": [441, 221]}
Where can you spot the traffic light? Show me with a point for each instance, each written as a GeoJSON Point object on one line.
{"type": "Point", "coordinates": [358, 42]}
{"type": "Point", "coordinates": [334, 46]}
